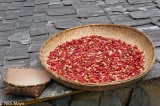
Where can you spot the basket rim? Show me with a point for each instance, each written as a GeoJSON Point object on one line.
{"type": "Point", "coordinates": [113, 83]}
{"type": "Point", "coordinates": [16, 85]}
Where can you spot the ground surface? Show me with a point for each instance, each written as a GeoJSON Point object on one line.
{"type": "Point", "coordinates": [26, 24]}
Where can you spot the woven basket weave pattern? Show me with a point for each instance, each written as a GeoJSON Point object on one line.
{"type": "Point", "coordinates": [33, 91]}
{"type": "Point", "coordinates": [124, 33]}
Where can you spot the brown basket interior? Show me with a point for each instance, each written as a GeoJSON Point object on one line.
{"type": "Point", "coordinates": [127, 34]}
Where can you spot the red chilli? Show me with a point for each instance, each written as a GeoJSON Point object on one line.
{"type": "Point", "coordinates": [95, 59]}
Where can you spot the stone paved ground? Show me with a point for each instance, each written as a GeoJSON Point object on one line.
{"type": "Point", "coordinates": [26, 24]}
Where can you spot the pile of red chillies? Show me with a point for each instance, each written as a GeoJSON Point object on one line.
{"type": "Point", "coordinates": [95, 59]}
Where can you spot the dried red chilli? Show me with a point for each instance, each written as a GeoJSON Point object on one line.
{"type": "Point", "coordinates": [95, 59]}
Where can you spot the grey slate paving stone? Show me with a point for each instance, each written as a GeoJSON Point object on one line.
{"type": "Point", "coordinates": [149, 30]}
{"type": "Point", "coordinates": [139, 97]}
{"type": "Point", "coordinates": [90, 11]}
{"type": "Point", "coordinates": [111, 13]}
{"type": "Point", "coordinates": [88, 3]}
{"type": "Point", "coordinates": [12, 14]}
{"type": "Point", "coordinates": [150, 25]}
{"type": "Point", "coordinates": [55, 89]}
{"type": "Point", "coordinates": [2, 70]}
{"type": "Point", "coordinates": [34, 60]}
{"type": "Point", "coordinates": [53, 31]}
{"type": "Point", "coordinates": [17, 45]}
{"type": "Point", "coordinates": [1, 82]}
{"type": "Point", "coordinates": [113, 1]}
{"type": "Point", "coordinates": [4, 42]}
{"type": "Point", "coordinates": [2, 17]}
{"type": "Point", "coordinates": [64, 101]}
{"type": "Point", "coordinates": [88, 0]}
{"type": "Point", "coordinates": [67, 23]}
{"type": "Point", "coordinates": [40, 1]}
{"type": "Point", "coordinates": [69, 2]}
{"type": "Point", "coordinates": [27, 11]}
{"type": "Point", "coordinates": [29, 3]}
{"type": "Point", "coordinates": [84, 4]}
{"type": "Point", "coordinates": [154, 19]}
{"type": "Point", "coordinates": [3, 50]}
{"type": "Point", "coordinates": [96, 20]}
{"type": "Point", "coordinates": [35, 46]}
{"type": "Point", "coordinates": [40, 28]}
{"type": "Point", "coordinates": [22, 37]}
{"type": "Point", "coordinates": [156, 23]}
{"type": "Point", "coordinates": [28, 18]}
{"type": "Point", "coordinates": [7, 33]}
{"type": "Point", "coordinates": [61, 11]}
{"type": "Point", "coordinates": [4, 34]}
{"type": "Point", "coordinates": [17, 53]}
{"type": "Point", "coordinates": [156, 1]}
{"type": "Point", "coordinates": [3, 38]}
{"type": "Point", "coordinates": [6, 27]}
{"type": "Point", "coordinates": [21, 30]}
{"type": "Point", "coordinates": [24, 22]}
{"type": "Point", "coordinates": [156, 42]}
{"type": "Point", "coordinates": [109, 98]}
{"type": "Point", "coordinates": [89, 102]}
{"type": "Point", "coordinates": [54, 2]}
{"type": "Point", "coordinates": [154, 72]}
{"type": "Point", "coordinates": [52, 19]}
{"type": "Point", "coordinates": [100, 3]}
{"type": "Point", "coordinates": [2, 12]}
{"type": "Point", "coordinates": [12, 21]}
{"type": "Point", "coordinates": [37, 32]}
{"type": "Point", "coordinates": [38, 25]}
{"type": "Point", "coordinates": [2, 93]}
{"type": "Point", "coordinates": [40, 8]}
{"type": "Point", "coordinates": [139, 6]}
{"type": "Point", "coordinates": [146, 14]}
{"type": "Point", "coordinates": [7, 1]}
{"type": "Point", "coordinates": [15, 6]}
{"type": "Point", "coordinates": [4, 6]}
{"type": "Point", "coordinates": [115, 9]}
{"type": "Point", "coordinates": [2, 58]}
{"type": "Point", "coordinates": [153, 33]}
{"type": "Point", "coordinates": [1, 62]}
{"type": "Point", "coordinates": [17, 63]}
{"type": "Point", "coordinates": [39, 17]}
{"type": "Point", "coordinates": [138, 1]}
{"type": "Point", "coordinates": [157, 50]}
{"type": "Point", "coordinates": [41, 37]}
{"type": "Point", "coordinates": [126, 20]}
{"type": "Point", "coordinates": [55, 6]}
{"type": "Point", "coordinates": [19, 0]}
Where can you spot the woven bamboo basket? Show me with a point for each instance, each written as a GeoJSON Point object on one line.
{"type": "Point", "coordinates": [24, 81]}
{"type": "Point", "coordinates": [127, 34]}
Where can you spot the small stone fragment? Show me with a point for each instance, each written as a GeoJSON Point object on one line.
{"type": "Point", "coordinates": [110, 99]}
{"type": "Point", "coordinates": [22, 37]}
{"type": "Point", "coordinates": [139, 97]}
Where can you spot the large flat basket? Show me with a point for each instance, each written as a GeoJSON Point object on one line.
{"type": "Point", "coordinates": [127, 34]}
